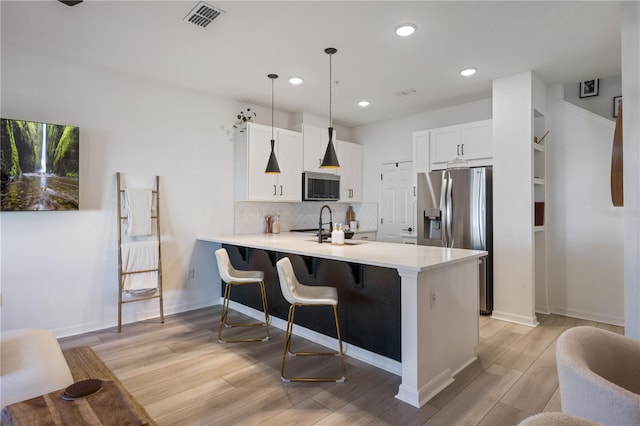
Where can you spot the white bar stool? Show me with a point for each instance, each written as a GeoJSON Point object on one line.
{"type": "Point", "coordinates": [298, 294]}
{"type": "Point", "coordinates": [231, 277]}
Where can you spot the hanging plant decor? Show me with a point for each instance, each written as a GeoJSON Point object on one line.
{"type": "Point", "coordinates": [242, 118]}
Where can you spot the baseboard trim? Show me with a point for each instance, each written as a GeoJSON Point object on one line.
{"type": "Point", "coordinates": [371, 358]}
{"type": "Point", "coordinates": [589, 316]}
{"type": "Point", "coordinates": [518, 319]}
{"type": "Point", "coordinates": [150, 312]}
{"type": "Point", "coordinates": [425, 393]}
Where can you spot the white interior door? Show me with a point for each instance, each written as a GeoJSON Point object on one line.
{"type": "Point", "coordinates": [397, 209]}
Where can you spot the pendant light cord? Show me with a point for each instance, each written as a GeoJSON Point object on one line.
{"type": "Point", "coordinates": [330, 119]}
{"type": "Point", "coordinates": [272, 109]}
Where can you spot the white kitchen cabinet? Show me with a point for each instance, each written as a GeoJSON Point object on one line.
{"type": "Point", "coordinates": [252, 149]}
{"type": "Point", "coordinates": [350, 171]}
{"type": "Point", "coordinates": [421, 164]}
{"type": "Point", "coordinates": [472, 141]}
{"type": "Point", "coordinates": [421, 152]}
{"type": "Point", "coordinates": [409, 239]}
{"type": "Point", "coordinates": [367, 236]}
{"type": "Point", "coordinates": [315, 140]}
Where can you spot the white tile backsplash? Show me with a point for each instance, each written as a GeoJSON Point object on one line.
{"type": "Point", "coordinates": [249, 217]}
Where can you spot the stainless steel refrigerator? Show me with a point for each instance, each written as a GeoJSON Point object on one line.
{"type": "Point", "coordinates": [455, 210]}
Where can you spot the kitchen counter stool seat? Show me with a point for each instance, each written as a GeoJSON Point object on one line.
{"type": "Point", "coordinates": [233, 277]}
{"type": "Point", "coordinates": [298, 294]}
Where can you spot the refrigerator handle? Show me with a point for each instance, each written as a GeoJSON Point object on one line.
{"type": "Point", "coordinates": [443, 209]}
{"type": "Point", "coordinates": [481, 212]}
{"type": "Point", "coordinates": [449, 210]}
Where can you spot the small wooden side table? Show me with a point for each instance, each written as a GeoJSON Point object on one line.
{"type": "Point", "coordinates": [109, 406]}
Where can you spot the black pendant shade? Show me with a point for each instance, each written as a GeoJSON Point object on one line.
{"type": "Point", "coordinates": [330, 159]}
{"type": "Point", "coordinates": [272, 164]}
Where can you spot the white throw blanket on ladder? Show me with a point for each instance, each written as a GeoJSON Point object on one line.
{"type": "Point", "coordinates": [140, 256]}
{"type": "Point", "coordinates": [138, 205]}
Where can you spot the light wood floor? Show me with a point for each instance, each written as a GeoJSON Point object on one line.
{"type": "Point", "coordinates": [183, 376]}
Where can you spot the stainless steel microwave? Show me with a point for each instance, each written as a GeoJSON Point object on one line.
{"type": "Point", "coordinates": [320, 187]}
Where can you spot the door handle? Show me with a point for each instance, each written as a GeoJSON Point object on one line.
{"type": "Point", "coordinates": [409, 229]}
{"type": "Point", "coordinates": [274, 190]}
{"type": "Point", "coordinates": [280, 189]}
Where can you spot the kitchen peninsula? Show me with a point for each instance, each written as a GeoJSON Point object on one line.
{"type": "Point", "coordinates": [437, 299]}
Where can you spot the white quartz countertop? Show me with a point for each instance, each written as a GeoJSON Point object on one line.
{"type": "Point", "coordinates": [389, 255]}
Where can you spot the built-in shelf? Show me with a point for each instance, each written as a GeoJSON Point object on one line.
{"type": "Point", "coordinates": [539, 211]}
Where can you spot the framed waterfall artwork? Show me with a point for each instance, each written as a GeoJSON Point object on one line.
{"type": "Point", "coordinates": [39, 166]}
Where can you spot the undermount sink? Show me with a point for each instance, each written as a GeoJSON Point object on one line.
{"type": "Point", "coordinates": [346, 242]}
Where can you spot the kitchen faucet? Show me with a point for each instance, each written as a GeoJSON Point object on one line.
{"type": "Point", "coordinates": [320, 222]}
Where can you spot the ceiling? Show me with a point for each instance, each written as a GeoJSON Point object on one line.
{"type": "Point", "coordinates": [562, 42]}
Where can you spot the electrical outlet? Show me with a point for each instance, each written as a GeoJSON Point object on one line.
{"type": "Point", "coordinates": [432, 297]}
{"type": "Point", "coordinates": [191, 274]}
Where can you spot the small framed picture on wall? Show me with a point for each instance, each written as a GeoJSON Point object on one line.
{"type": "Point", "coordinates": [617, 102]}
{"type": "Point", "coordinates": [589, 88]}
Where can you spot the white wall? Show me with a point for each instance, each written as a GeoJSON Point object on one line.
{"type": "Point", "coordinates": [631, 137]}
{"type": "Point", "coordinates": [392, 140]}
{"type": "Point", "coordinates": [59, 269]}
{"type": "Point", "coordinates": [601, 104]}
{"type": "Point", "coordinates": [585, 232]}
{"type": "Point", "coordinates": [339, 132]}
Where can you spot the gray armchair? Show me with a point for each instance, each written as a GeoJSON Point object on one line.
{"type": "Point", "coordinates": [599, 375]}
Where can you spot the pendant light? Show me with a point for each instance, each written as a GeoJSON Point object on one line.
{"type": "Point", "coordinates": [272, 165]}
{"type": "Point", "coordinates": [330, 160]}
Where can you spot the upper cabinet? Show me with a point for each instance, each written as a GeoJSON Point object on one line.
{"type": "Point", "coordinates": [252, 149]}
{"type": "Point", "coordinates": [434, 148]}
{"type": "Point", "coordinates": [350, 171]}
{"type": "Point", "coordinates": [296, 152]}
{"type": "Point", "coordinates": [315, 141]}
{"type": "Point", "coordinates": [472, 141]}
{"type": "Point", "coordinates": [421, 152]}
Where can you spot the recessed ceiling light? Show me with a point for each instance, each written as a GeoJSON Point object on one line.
{"type": "Point", "coordinates": [295, 80]}
{"type": "Point", "coordinates": [404, 30]}
{"type": "Point", "coordinates": [468, 72]}
{"type": "Point", "coordinates": [363, 103]}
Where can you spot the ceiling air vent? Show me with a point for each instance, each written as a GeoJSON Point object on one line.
{"type": "Point", "coordinates": [406, 92]}
{"type": "Point", "coordinates": [203, 14]}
